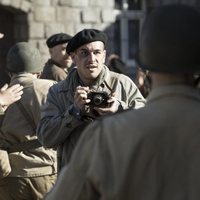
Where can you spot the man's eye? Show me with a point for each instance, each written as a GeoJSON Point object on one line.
{"type": "Point", "coordinates": [84, 53]}
{"type": "Point", "coordinates": [97, 52]}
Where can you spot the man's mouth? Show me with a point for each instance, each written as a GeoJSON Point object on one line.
{"type": "Point", "coordinates": [91, 66]}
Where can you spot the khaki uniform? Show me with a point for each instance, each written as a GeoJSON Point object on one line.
{"type": "Point", "coordinates": [16, 129]}
{"type": "Point", "coordinates": [53, 71]}
{"type": "Point", "coordinates": [149, 153]}
{"type": "Point", "coordinates": [59, 128]}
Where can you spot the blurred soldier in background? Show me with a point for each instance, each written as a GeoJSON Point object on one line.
{"type": "Point", "coordinates": [58, 66]}
{"type": "Point", "coordinates": [32, 167]}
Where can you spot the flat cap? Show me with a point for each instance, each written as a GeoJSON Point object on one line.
{"type": "Point", "coordinates": [58, 38]}
{"type": "Point", "coordinates": [84, 37]}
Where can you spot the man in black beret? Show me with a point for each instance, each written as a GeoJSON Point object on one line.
{"type": "Point", "coordinates": [57, 67]}
{"type": "Point", "coordinates": [91, 90]}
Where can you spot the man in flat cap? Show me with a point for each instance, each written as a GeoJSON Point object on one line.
{"type": "Point", "coordinates": [59, 64]}
{"type": "Point", "coordinates": [90, 91]}
{"type": "Point", "coordinates": [123, 158]}
{"type": "Point", "coordinates": [32, 167]}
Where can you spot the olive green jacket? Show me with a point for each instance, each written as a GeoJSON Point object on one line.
{"type": "Point", "coordinates": [53, 71]}
{"type": "Point", "coordinates": [147, 154]}
{"type": "Point", "coordinates": [16, 129]}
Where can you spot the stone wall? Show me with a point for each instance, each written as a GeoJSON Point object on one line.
{"type": "Point", "coordinates": [35, 20]}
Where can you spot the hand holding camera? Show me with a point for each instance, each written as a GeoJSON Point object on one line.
{"type": "Point", "coordinates": [95, 103]}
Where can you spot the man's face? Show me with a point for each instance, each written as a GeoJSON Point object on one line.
{"type": "Point", "coordinates": [89, 60]}
{"type": "Point", "coordinates": [59, 55]}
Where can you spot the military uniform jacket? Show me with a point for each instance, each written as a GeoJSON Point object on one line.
{"type": "Point", "coordinates": [16, 129]}
{"type": "Point", "coordinates": [53, 71]}
{"type": "Point", "coordinates": [59, 128]}
{"type": "Point", "coordinates": [150, 153]}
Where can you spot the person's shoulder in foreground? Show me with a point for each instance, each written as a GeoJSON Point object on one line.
{"type": "Point", "coordinates": [152, 152]}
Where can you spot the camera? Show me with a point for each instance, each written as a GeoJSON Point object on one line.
{"type": "Point", "coordinates": [98, 99]}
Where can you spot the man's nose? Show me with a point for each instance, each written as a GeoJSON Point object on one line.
{"type": "Point", "coordinates": [92, 56]}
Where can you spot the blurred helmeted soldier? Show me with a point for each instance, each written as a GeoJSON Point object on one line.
{"type": "Point", "coordinates": [91, 91]}
{"type": "Point", "coordinates": [9, 95]}
{"type": "Point", "coordinates": [152, 152]}
{"type": "Point", "coordinates": [59, 64]}
{"type": "Point", "coordinates": [32, 167]}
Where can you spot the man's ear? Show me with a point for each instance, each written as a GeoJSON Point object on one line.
{"type": "Point", "coordinates": [72, 54]}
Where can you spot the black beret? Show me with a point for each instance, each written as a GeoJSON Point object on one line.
{"type": "Point", "coordinates": [84, 37]}
{"type": "Point", "coordinates": [58, 38]}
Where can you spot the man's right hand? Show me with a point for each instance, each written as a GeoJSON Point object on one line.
{"type": "Point", "coordinates": [80, 97]}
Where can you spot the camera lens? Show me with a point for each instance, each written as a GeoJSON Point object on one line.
{"type": "Point", "coordinates": [98, 99]}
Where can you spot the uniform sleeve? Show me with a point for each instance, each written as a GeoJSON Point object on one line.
{"type": "Point", "coordinates": [131, 96]}
{"type": "Point", "coordinates": [56, 124]}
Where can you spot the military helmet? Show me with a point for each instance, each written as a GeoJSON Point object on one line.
{"type": "Point", "coordinates": [170, 40]}
{"type": "Point", "coordinates": [23, 57]}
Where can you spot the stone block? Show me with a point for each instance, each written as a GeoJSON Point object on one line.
{"type": "Point", "coordinates": [41, 44]}
{"type": "Point", "coordinates": [69, 28]}
{"type": "Point", "coordinates": [42, 2]}
{"type": "Point", "coordinates": [44, 13]}
{"type": "Point", "coordinates": [64, 14]}
{"type": "Point", "coordinates": [15, 3]}
{"type": "Point", "coordinates": [5, 2]}
{"type": "Point", "coordinates": [52, 28]}
{"type": "Point", "coordinates": [25, 6]}
{"type": "Point", "coordinates": [108, 15]}
{"type": "Point", "coordinates": [91, 15]}
{"type": "Point", "coordinates": [74, 3]}
{"type": "Point", "coordinates": [101, 3]}
{"type": "Point", "coordinates": [36, 30]}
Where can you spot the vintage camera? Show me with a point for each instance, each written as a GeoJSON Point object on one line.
{"type": "Point", "coordinates": [98, 99]}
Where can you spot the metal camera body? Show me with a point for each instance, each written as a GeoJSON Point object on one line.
{"type": "Point", "coordinates": [98, 99]}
